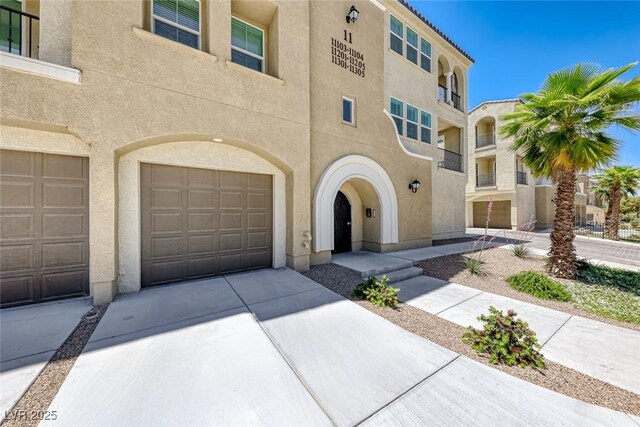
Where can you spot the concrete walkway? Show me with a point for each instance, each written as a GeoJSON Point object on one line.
{"type": "Point", "coordinates": [272, 347]}
{"type": "Point", "coordinates": [29, 337]}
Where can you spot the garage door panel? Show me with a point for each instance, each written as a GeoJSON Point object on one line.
{"type": "Point", "coordinates": [16, 290]}
{"type": "Point", "coordinates": [218, 213]}
{"type": "Point", "coordinates": [68, 283]}
{"type": "Point", "coordinates": [58, 195]}
{"type": "Point", "coordinates": [500, 214]}
{"type": "Point", "coordinates": [17, 194]}
{"type": "Point", "coordinates": [63, 254]}
{"type": "Point", "coordinates": [16, 226]}
{"type": "Point", "coordinates": [166, 198]}
{"type": "Point", "coordinates": [17, 257]}
{"type": "Point", "coordinates": [65, 167]}
{"type": "Point", "coordinates": [44, 202]}
{"type": "Point", "coordinates": [67, 225]}
{"type": "Point", "coordinates": [161, 247]}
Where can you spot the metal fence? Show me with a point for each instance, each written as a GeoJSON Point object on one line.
{"type": "Point", "coordinates": [598, 229]}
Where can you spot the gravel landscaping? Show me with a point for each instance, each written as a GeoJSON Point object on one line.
{"type": "Point", "coordinates": [35, 402]}
{"type": "Point", "coordinates": [589, 300]}
{"type": "Point", "coordinates": [555, 377]}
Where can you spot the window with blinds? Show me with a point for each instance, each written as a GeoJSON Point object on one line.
{"type": "Point", "coordinates": [177, 20]}
{"type": "Point", "coordinates": [397, 113]}
{"type": "Point", "coordinates": [247, 45]}
{"type": "Point", "coordinates": [397, 34]}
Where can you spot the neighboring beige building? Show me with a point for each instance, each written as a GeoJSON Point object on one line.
{"type": "Point", "coordinates": [501, 176]}
{"type": "Point", "coordinates": [148, 142]}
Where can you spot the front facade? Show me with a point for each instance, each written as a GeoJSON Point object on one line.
{"type": "Point", "coordinates": [518, 198]}
{"type": "Point", "coordinates": [149, 142]}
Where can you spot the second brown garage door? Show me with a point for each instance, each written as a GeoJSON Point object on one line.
{"type": "Point", "coordinates": [199, 222]}
{"type": "Point", "coordinates": [500, 214]}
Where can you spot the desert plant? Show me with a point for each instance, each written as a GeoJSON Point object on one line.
{"type": "Point", "coordinates": [473, 260]}
{"type": "Point", "coordinates": [378, 292]}
{"type": "Point", "coordinates": [612, 185]}
{"type": "Point", "coordinates": [520, 238]}
{"type": "Point", "coordinates": [505, 339]}
{"type": "Point", "coordinates": [562, 130]}
{"type": "Point", "coordinates": [539, 286]}
{"type": "Point", "coordinates": [520, 250]}
{"type": "Point", "coordinates": [474, 264]}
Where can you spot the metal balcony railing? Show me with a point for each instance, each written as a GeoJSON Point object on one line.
{"type": "Point", "coordinates": [522, 177]}
{"type": "Point", "coordinates": [19, 32]}
{"type": "Point", "coordinates": [456, 101]}
{"type": "Point", "coordinates": [450, 160]}
{"type": "Point", "coordinates": [485, 140]}
{"type": "Point", "coordinates": [486, 180]}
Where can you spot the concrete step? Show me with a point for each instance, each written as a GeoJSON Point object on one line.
{"type": "Point", "coordinates": [370, 263]}
{"type": "Point", "coordinates": [400, 275]}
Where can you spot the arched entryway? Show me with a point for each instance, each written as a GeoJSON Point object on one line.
{"type": "Point", "coordinates": [371, 196]}
{"type": "Point", "coordinates": [341, 224]}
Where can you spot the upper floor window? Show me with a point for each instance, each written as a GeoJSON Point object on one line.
{"type": "Point", "coordinates": [397, 35]}
{"type": "Point", "coordinates": [425, 127]}
{"type": "Point", "coordinates": [412, 122]}
{"type": "Point", "coordinates": [177, 20]}
{"type": "Point", "coordinates": [348, 111]}
{"type": "Point", "coordinates": [412, 46]}
{"type": "Point", "coordinates": [425, 55]}
{"type": "Point", "coordinates": [247, 45]}
{"type": "Point", "coordinates": [397, 110]}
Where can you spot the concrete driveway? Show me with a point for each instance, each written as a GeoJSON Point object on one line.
{"type": "Point", "coordinates": [29, 337]}
{"type": "Point", "coordinates": [272, 347]}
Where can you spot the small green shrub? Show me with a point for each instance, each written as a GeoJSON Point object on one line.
{"type": "Point", "coordinates": [624, 280]}
{"type": "Point", "coordinates": [520, 250]}
{"type": "Point", "coordinates": [474, 264]}
{"type": "Point", "coordinates": [506, 340]}
{"type": "Point", "coordinates": [539, 285]}
{"type": "Point", "coordinates": [378, 292]}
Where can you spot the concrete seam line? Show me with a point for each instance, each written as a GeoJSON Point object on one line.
{"type": "Point", "coordinates": [632, 420]}
{"type": "Point", "coordinates": [558, 330]}
{"type": "Point", "coordinates": [461, 302]}
{"type": "Point", "coordinates": [302, 381]}
{"type": "Point", "coordinates": [401, 395]}
{"type": "Point", "coordinates": [280, 297]}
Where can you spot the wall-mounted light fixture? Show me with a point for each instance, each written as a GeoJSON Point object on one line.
{"type": "Point", "coordinates": [414, 185]}
{"type": "Point", "coordinates": [352, 16]}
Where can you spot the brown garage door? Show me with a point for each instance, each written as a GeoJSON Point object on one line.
{"type": "Point", "coordinates": [500, 214]}
{"type": "Point", "coordinates": [200, 222]}
{"type": "Point", "coordinates": [44, 218]}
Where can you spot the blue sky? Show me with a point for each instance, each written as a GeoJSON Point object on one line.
{"type": "Point", "coordinates": [517, 43]}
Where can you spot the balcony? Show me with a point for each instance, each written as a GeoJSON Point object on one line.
{"type": "Point", "coordinates": [521, 177]}
{"type": "Point", "coordinates": [450, 160]}
{"type": "Point", "coordinates": [19, 32]}
{"type": "Point", "coordinates": [485, 140]}
{"type": "Point", "coordinates": [442, 93]}
{"type": "Point", "coordinates": [486, 180]}
{"type": "Point", "coordinates": [456, 101]}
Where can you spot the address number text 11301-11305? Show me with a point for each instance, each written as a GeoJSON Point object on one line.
{"type": "Point", "coordinates": [347, 57]}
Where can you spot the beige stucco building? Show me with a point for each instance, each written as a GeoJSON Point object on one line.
{"type": "Point", "coordinates": [148, 142]}
{"type": "Point", "coordinates": [500, 175]}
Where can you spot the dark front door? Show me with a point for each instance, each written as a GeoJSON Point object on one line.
{"type": "Point", "coordinates": [341, 224]}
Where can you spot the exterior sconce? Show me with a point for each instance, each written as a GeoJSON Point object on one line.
{"type": "Point", "coordinates": [414, 185]}
{"type": "Point", "coordinates": [352, 16]}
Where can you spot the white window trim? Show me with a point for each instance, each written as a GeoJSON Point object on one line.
{"type": "Point", "coordinates": [262, 58]}
{"type": "Point", "coordinates": [176, 25]}
{"type": "Point", "coordinates": [412, 122]}
{"type": "Point", "coordinates": [394, 115]}
{"type": "Point", "coordinates": [417, 48]}
{"type": "Point", "coordinates": [353, 111]}
{"type": "Point", "coordinates": [422, 127]}
{"type": "Point", "coordinates": [424, 54]}
{"type": "Point", "coordinates": [401, 36]}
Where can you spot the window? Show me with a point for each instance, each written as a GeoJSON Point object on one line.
{"type": "Point", "coordinates": [247, 45]}
{"type": "Point", "coordinates": [348, 111]}
{"type": "Point", "coordinates": [412, 46]}
{"type": "Point", "coordinates": [397, 109]}
{"type": "Point", "coordinates": [177, 20]}
{"type": "Point", "coordinates": [412, 122]}
{"type": "Point", "coordinates": [397, 35]}
{"type": "Point", "coordinates": [425, 55]}
{"type": "Point", "coordinates": [425, 127]}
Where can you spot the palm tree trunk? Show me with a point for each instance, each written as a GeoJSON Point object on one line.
{"type": "Point", "coordinates": [562, 260]}
{"type": "Point", "coordinates": [612, 220]}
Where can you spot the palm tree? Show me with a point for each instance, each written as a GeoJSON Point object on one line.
{"type": "Point", "coordinates": [612, 185]}
{"type": "Point", "coordinates": [562, 130]}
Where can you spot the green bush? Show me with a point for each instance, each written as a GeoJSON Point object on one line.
{"type": "Point", "coordinates": [624, 280]}
{"type": "Point", "coordinates": [539, 285]}
{"type": "Point", "coordinates": [376, 291]}
{"type": "Point", "coordinates": [506, 340]}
